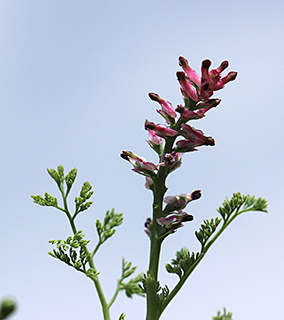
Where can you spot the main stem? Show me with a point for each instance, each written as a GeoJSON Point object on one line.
{"type": "Point", "coordinates": [152, 274]}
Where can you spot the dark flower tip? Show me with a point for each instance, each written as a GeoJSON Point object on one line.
{"type": "Point", "coordinates": [180, 108]}
{"type": "Point", "coordinates": [182, 61]}
{"type": "Point", "coordinates": [209, 142]}
{"type": "Point", "coordinates": [180, 76]}
{"type": "Point", "coordinates": [188, 217]}
{"type": "Point", "coordinates": [224, 65]}
{"type": "Point", "coordinates": [232, 75]}
{"type": "Point", "coordinates": [206, 63]}
{"type": "Point", "coordinates": [149, 125]}
{"type": "Point", "coordinates": [124, 155]}
{"type": "Point", "coordinates": [153, 96]}
{"type": "Point", "coordinates": [196, 194]}
{"type": "Point", "coordinates": [148, 222]}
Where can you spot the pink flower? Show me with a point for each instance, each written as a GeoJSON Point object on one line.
{"type": "Point", "coordinates": [202, 88]}
{"type": "Point", "coordinates": [187, 88]}
{"type": "Point", "coordinates": [167, 108]}
{"type": "Point", "coordinates": [194, 138]}
{"type": "Point", "coordinates": [140, 164]}
{"type": "Point", "coordinates": [203, 107]}
{"type": "Point", "coordinates": [180, 201]}
{"type": "Point", "coordinates": [192, 75]}
{"type": "Point", "coordinates": [154, 140]}
{"type": "Point", "coordinates": [160, 130]}
{"type": "Point", "coordinates": [171, 160]}
{"type": "Point", "coordinates": [174, 221]}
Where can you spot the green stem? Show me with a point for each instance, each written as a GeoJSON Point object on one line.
{"type": "Point", "coordinates": [153, 306]}
{"type": "Point", "coordinates": [152, 283]}
{"type": "Point", "coordinates": [104, 304]}
{"type": "Point", "coordinates": [192, 268]}
{"type": "Point", "coordinates": [114, 295]}
{"type": "Point", "coordinates": [96, 249]}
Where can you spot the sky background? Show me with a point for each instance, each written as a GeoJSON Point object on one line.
{"type": "Point", "coordinates": [74, 79]}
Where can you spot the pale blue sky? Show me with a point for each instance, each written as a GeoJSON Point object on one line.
{"type": "Point", "coordinates": [74, 79]}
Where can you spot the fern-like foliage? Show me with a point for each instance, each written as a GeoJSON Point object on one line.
{"type": "Point", "coordinates": [107, 228]}
{"type": "Point", "coordinates": [47, 200]}
{"type": "Point", "coordinates": [184, 260]}
{"type": "Point", "coordinates": [206, 230]}
{"type": "Point", "coordinates": [223, 316]}
{"type": "Point", "coordinates": [81, 202]}
{"type": "Point", "coordinates": [72, 251]}
{"type": "Point", "coordinates": [132, 286]}
{"type": "Point", "coordinates": [239, 204]}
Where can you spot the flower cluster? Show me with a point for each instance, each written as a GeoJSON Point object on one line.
{"type": "Point", "coordinates": [176, 137]}
{"type": "Point", "coordinates": [196, 92]}
{"type": "Point", "coordinates": [202, 88]}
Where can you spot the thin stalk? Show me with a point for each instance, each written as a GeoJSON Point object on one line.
{"type": "Point", "coordinates": [96, 249]}
{"type": "Point", "coordinates": [116, 292]}
{"type": "Point", "coordinates": [104, 304]}
{"type": "Point", "coordinates": [192, 268]}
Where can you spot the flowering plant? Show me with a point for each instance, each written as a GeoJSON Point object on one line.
{"type": "Point", "coordinates": [170, 141]}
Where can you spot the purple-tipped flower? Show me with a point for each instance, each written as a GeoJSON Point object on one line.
{"type": "Point", "coordinates": [174, 221]}
{"type": "Point", "coordinates": [179, 202]}
{"type": "Point", "coordinates": [203, 107]}
{"type": "Point", "coordinates": [160, 130]}
{"type": "Point", "coordinates": [167, 108]}
{"type": "Point", "coordinates": [187, 88]}
{"type": "Point", "coordinates": [171, 160]}
{"type": "Point", "coordinates": [193, 77]}
{"type": "Point", "coordinates": [194, 138]}
{"type": "Point", "coordinates": [154, 139]}
{"type": "Point", "coordinates": [140, 164]}
{"type": "Point", "coordinates": [202, 88]}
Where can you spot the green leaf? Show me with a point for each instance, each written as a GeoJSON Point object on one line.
{"type": "Point", "coordinates": [107, 229]}
{"type": "Point", "coordinates": [81, 202]}
{"type": "Point", "coordinates": [85, 190]}
{"type": "Point", "coordinates": [60, 170]}
{"type": "Point", "coordinates": [239, 204]}
{"type": "Point", "coordinates": [92, 273]}
{"type": "Point", "coordinates": [57, 176]}
{"type": "Point", "coordinates": [70, 178]}
{"type": "Point", "coordinates": [132, 286]}
{"type": "Point", "coordinates": [223, 316]}
{"type": "Point", "coordinates": [184, 260]}
{"type": "Point", "coordinates": [54, 175]}
{"type": "Point", "coordinates": [72, 251]}
{"type": "Point", "coordinates": [48, 200]}
{"type": "Point", "coordinates": [206, 230]}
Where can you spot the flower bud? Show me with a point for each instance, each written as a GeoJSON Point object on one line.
{"type": "Point", "coordinates": [8, 305]}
